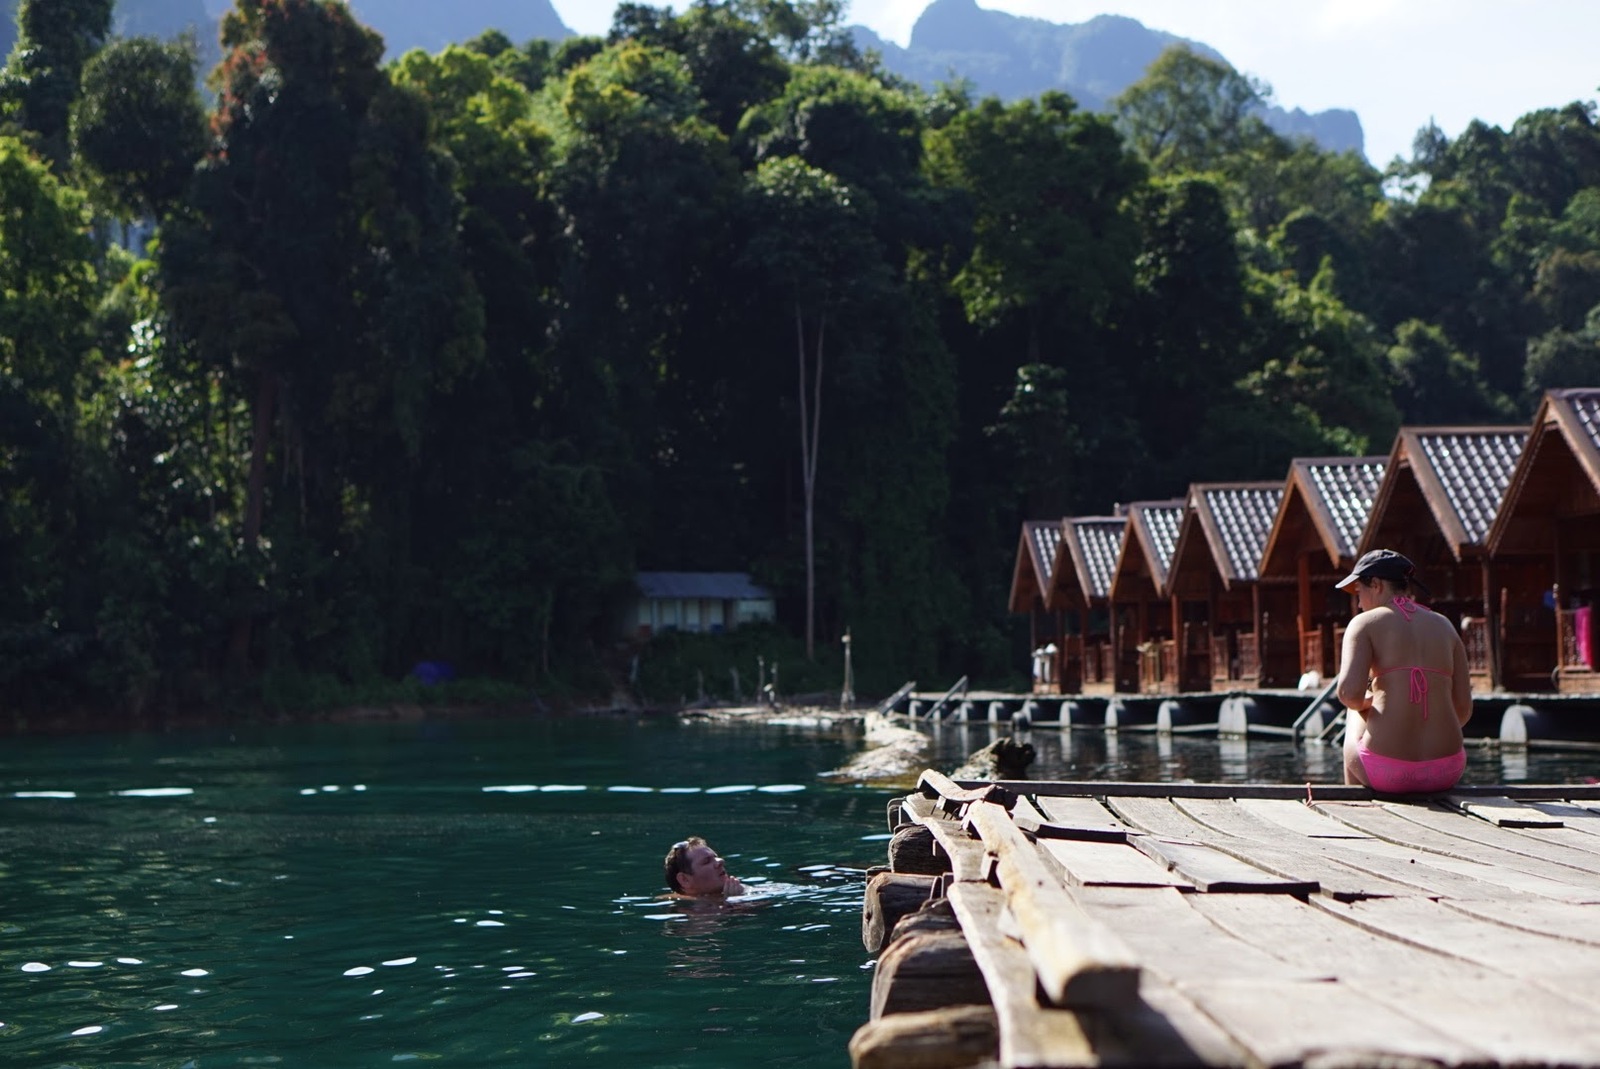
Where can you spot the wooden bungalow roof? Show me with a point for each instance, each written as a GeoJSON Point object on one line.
{"type": "Point", "coordinates": [1562, 454]}
{"type": "Point", "coordinates": [1337, 494]}
{"type": "Point", "coordinates": [1149, 545]}
{"type": "Point", "coordinates": [1036, 560]}
{"type": "Point", "coordinates": [1231, 522]}
{"type": "Point", "coordinates": [1087, 559]}
{"type": "Point", "coordinates": [1462, 474]}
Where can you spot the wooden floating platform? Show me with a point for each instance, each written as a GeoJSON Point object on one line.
{"type": "Point", "coordinates": [1031, 925]}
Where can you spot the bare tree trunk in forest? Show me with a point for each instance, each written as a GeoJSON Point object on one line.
{"type": "Point", "coordinates": [810, 430]}
{"type": "Point", "coordinates": [254, 506]}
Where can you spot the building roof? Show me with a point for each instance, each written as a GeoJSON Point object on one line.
{"type": "Point", "coordinates": [1036, 560]}
{"type": "Point", "coordinates": [1572, 417]}
{"type": "Point", "coordinates": [716, 586]}
{"type": "Point", "coordinates": [1236, 519]}
{"type": "Point", "coordinates": [1154, 527]}
{"type": "Point", "coordinates": [1462, 473]}
{"type": "Point", "coordinates": [1092, 543]}
{"type": "Point", "coordinates": [1337, 493]}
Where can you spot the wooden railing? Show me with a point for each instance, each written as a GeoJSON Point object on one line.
{"type": "Point", "coordinates": [1096, 661]}
{"type": "Point", "coordinates": [1249, 655]}
{"type": "Point", "coordinates": [1311, 659]}
{"type": "Point", "coordinates": [1574, 639]}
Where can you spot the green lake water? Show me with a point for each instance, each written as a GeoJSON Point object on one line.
{"type": "Point", "coordinates": [478, 893]}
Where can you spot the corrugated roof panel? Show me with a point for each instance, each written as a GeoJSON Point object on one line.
{"type": "Point", "coordinates": [1101, 541]}
{"type": "Point", "coordinates": [1163, 522]}
{"type": "Point", "coordinates": [1475, 469]}
{"type": "Point", "coordinates": [1244, 518]}
{"type": "Point", "coordinates": [718, 586]}
{"type": "Point", "coordinates": [1586, 406]}
{"type": "Point", "coordinates": [1045, 537]}
{"type": "Point", "coordinates": [1347, 488]}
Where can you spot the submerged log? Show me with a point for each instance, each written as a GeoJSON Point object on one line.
{"type": "Point", "coordinates": [889, 897]}
{"type": "Point", "coordinates": [940, 1039]}
{"type": "Point", "coordinates": [1004, 758]}
{"type": "Point", "coordinates": [927, 971]}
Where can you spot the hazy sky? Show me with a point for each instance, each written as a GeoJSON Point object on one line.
{"type": "Point", "coordinates": [1398, 63]}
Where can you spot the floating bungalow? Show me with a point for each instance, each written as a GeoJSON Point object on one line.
{"type": "Point", "coordinates": [1146, 632]}
{"type": "Point", "coordinates": [1312, 545]}
{"type": "Point", "coordinates": [1441, 490]}
{"type": "Point", "coordinates": [1212, 583]}
{"type": "Point", "coordinates": [1544, 551]}
{"type": "Point", "coordinates": [1081, 589]}
{"type": "Point", "coordinates": [1031, 582]}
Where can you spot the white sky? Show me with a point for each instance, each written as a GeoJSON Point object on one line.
{"type": "Point", "coordinates": [1397, 63]}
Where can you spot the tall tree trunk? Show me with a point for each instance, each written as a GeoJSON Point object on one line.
{"type": "Point", "coordinates": [254, 506]}
{"type": "Point", "coordinates": [810, 431]}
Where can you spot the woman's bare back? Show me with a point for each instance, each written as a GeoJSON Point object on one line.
{"type": "Point", "coordinates": [1407, 659]}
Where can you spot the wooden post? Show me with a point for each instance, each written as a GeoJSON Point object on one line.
{"type": "Point", "coordinates": [1304, 615]}
{"type": "Point", "coordinates": [889, 897]}
{"type": "Point", "coordinates": [939, 1039]}
{"type": "Point", "coordinates": [911, 849]}
{"type": "Point", "coordinates": [927, 971]}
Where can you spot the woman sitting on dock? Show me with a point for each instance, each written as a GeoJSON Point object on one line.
{"type": "Point", "coordinates": [1403, 676]}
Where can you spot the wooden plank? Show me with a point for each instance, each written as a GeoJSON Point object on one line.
{"type": "Point", "coordinates": [1527, 1027]}
{"type": "Point", "coordinates": [1030, 1034]}
{"type": "Point", "coordinates": [1503, 812]}
{"type": "Point", "coordinates": [1169, 1030]}
{"type": "Point", "coordinates": [945, 792]}
{"type": "Point", "coordinates": [1555, 965]}
{"type": "Point", "coordinates": [1091, 864]}
{"type": "Point", "coordinates": [1209, 869]}
{"type": "Point", "coordinates": [1321, 791]}
{"type": "Point", "coordinates": [1079, 962]}
{"type": "Point", "coordinates": [1281, 1012]}
{"type": "Point", "coordinates": [1576, 817]}
{"type": "Point", "coordinates": [1381, 820]}
{"type": "Point", "coordinates": [1553, 846]}
{"type": "Point", "coordinates": [1298, 817]}
{"type": "Point", "coordinates": [1276, 849]}
{"type": "Point", "coordinates": [1157, 816]}
{"type": "Point", "coordinates": [1085, 813]}
{"type": "Point", "coordinates": [1573, 921]}
{"type": "Point", "coordinates": [964, 1035]}
{"type": "Point", "coordinates": [966, 854]}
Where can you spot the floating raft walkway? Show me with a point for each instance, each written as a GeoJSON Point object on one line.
{"type": "Point", "coordinates": [1082, 924]}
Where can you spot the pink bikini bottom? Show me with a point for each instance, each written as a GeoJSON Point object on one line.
{"type": "Point", "coordinates": [1391, 775]}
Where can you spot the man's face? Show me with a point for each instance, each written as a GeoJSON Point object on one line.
{"type": "Point", "coordinates": [705, 874]}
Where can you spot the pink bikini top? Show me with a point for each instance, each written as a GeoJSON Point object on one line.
{"type": "Point", "coordinates": [1408, 608]}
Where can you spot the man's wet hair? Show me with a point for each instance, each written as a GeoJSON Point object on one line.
{"type": "Point", "coordinates": [678, 860]}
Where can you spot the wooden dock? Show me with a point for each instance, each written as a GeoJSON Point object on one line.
{"type": "Point", "coordinates": [1084, 924]}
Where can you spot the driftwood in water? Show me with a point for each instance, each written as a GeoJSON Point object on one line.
{"type": "Point", "coordinates": [927, 971]}
{"type": "Point", "coordinates": [890, 896]}
{"type": "Point", "coordinates": [912, 850]}
{"type": "Point", "coordinates": [1004, 758]}
{"type": "Point", "coordinates": [943, 1039]}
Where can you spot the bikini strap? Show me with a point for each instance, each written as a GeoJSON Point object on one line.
{"type": "Point", "coordinates": [1406, 606]}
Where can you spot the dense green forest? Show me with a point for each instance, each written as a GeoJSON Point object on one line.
{"type": "Point", "coordinates": [421, 361]}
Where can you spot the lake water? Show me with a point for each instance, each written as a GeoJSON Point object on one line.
{"type": "Point", "coordinates": [478, 893]}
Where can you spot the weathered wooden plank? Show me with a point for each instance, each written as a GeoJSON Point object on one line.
{"type": "Point", "coordinates": [1526, 1027]}
{"type": "Point", "coordinates": [1546, 844]}
{"type": "Point", "coordinates": [1030, 1034]}
{"type": "Point", "coordinates": [1382, 820]}
{"type": "Point", "coordinates": [1574, 921]}
{"type": "Point", "coordinates": [1502, 811]}
{"type": "Point", "coordinates": [1209, 869]}
{"type": "Point", "coordinates": [1086, 814]}
{"type": "Point", "coordinates": [1298, 817]}
{"type": "Point", "coordinates": [964, 852]}
{"type": "Point", "coordinates": [1167, 1030]}
{"type": "Point", "coordinates": [953, 1038]}
{"type": "Point", "coordinates": [950, 796]}
{"type": "Point", "coordinates": [1556, 965]}
{"type": "Point", "coordinates": [1439, 874]}
{"type": "Point", "coordinates": [1109, 864]}
{"type": "Point", "coordinates": [1321, 791]}
{"type": "Point", "coordinates": [1276, 849]}
{"type": "Point", "coordinates": [1157, 816]}
{"type": "Point", "coordinates": [1573, 815]}
{"type": "Point", "coordinates": [1079, 962]}
{"type": "Point", "coordinates": [913, 807]}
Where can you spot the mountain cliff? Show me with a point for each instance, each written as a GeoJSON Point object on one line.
{"type": "Point", "coordinates": [1012, 57]}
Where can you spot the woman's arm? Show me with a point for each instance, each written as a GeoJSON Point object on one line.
{"type": "Point", "coordinates": [1355, 667]}
{"type": "Point", "coordinates": [1460, 681]}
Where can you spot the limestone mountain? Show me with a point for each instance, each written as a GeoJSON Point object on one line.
{"type": "Point", "coordinates": [1012, 57]}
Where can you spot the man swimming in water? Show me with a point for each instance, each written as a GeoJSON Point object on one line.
{"type": "Point", "coordinates": [694, 870]}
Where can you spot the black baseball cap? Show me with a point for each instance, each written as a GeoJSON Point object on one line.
{"type": "Point", "coordinates": [1382, 564]}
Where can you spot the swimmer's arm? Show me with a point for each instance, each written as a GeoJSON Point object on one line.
{"type": "Point", "coordinates": [1355, 667]}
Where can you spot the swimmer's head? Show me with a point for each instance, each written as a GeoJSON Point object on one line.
{"type": "Point", "coordinates": [693, 868]}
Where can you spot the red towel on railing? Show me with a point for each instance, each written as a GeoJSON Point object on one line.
{"type": "Point", "coordinates": [1580, 624]}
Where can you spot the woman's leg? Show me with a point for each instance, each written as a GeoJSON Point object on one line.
{"type": "Point", "coordinates": [1355, 728]}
